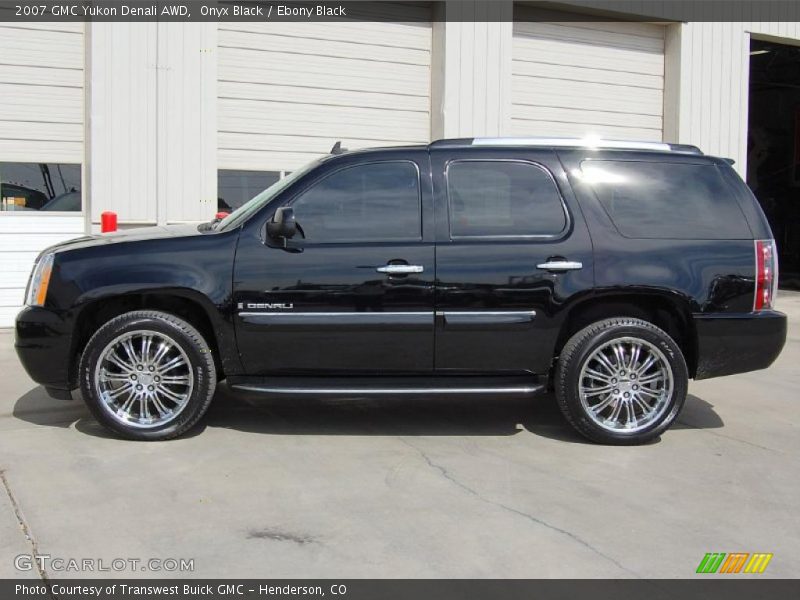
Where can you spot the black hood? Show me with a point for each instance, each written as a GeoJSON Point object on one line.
{"type": "Point", "coordinates": [139, 234]}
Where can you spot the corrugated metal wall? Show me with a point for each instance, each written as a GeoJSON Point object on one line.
{"type": "Point", "coordinates": [41, 120]}
{"type": "Point", "coordinates": [709, 65]}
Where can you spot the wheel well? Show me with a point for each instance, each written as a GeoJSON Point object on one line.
{"type": "Point", "coordinates": [96, 314]}
{"type": "Point", "coordinates": [665, 314]}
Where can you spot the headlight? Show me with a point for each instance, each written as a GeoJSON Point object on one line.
{"type": "Point", "coordinates": [40, 279]}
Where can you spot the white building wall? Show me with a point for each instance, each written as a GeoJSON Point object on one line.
{"type": "Point", "coordinates": [472, 70]}
{"type": "Point", "coordinates": [153, 122]}
{"type": "Point", "coordinates": [708, 66]}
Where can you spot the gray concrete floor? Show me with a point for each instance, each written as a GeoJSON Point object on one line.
{"type": "Point", "coordinates": [409, 488]}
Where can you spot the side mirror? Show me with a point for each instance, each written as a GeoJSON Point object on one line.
{"type": "Point", "coordinates": [282, 225]}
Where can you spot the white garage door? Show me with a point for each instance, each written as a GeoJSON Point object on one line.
{"type": "Point", "coordinates": [41, 131]}
{"type": "Point", "coordinates": [579, 79]}
{"type": "Point", "coordinates": [288, 91]}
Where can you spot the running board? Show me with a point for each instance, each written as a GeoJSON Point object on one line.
{"type": "Point", "coordinates": [378, 386]}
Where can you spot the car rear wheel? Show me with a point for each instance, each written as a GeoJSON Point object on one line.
{"type": "Point", "coordinates": [621, 381]}
{"type": "Point", "coordinates": [147, 375]}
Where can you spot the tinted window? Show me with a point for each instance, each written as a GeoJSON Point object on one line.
{"type": "Point", "coordinates": [234, 188]}
{"type": "Point", "coordinates": [666, 200]}
{"type": "Point", "coordinates": [502, 199]}
{"type": "Point", "coordinates": [40, 187]}
{"type": "Point", "coordinates": [372, 202]}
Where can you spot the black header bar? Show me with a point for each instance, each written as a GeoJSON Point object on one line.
{"type": "Point", "coordinates": [26, 11]}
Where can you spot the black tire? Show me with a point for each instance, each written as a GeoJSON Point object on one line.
{"type": "Point", "coordinates": [186, 338]}
{"type": "Point", "coordinates": [580, 348]}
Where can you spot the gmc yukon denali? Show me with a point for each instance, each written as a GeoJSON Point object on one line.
{"type": "Point", "coordinates": [611, 273]}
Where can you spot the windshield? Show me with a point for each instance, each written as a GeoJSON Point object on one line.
{"type": "Point", "coordinates": [241, 214]}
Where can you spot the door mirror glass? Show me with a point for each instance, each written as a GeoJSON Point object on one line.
{"type": "Point", "coordinates": [283, 224]}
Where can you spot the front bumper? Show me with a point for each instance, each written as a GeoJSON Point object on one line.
{"type": "Point", "coordinates": [737, 343]}
{"type": "Point", "coordinates": [43, 342]}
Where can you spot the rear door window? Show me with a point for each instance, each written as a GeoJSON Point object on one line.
{"type": "Point", "coordinates": [666, 200]}
{"type": "Point", "coordinates": [499, 198]}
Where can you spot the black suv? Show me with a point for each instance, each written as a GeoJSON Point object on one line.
{"type": "Point", "coordinates": [612, 273]}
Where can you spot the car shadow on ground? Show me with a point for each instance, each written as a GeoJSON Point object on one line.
{"type": "Point", "coordinates": [385, 416]}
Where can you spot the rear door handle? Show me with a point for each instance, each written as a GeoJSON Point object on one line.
{"type": "Point", "coordinates": [560, 265]}
{"type": "Point", "coordinates": [400, 269]}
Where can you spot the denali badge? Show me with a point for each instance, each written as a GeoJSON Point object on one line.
{"type": "Point", "coordinates": [271, 305]}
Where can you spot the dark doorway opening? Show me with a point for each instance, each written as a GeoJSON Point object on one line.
{"type": "Point", "coordinates": [773, 147]}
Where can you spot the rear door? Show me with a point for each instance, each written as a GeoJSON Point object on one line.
{"type": "Point", "coordinates": [512, 251]}
{"type": "Point", "coordinates": [354, 291]}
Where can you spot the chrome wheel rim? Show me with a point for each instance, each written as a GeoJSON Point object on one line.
{"type": "Point", "coordinates": [143, 379]}
{"type": "Point", "coordinates": [625, 385]}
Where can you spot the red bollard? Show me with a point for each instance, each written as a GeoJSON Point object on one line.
{"type": "Point", "coordinates": [108, 221]}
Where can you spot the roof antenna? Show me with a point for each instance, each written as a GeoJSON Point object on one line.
{"type": "Point", "coordinates": [337, 148]}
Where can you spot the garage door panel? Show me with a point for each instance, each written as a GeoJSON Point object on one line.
{"type": "Point", "coordinates": [638, 36]}
{"type": "Point", "coordinates": [321, 47]}
{"type": "Point", "coordinates": [32, 103]}
{"type": "Point", "coordinates": [41, 76]}
{"type": "Point", "coordinates": [41, 121]}
{"type": "Point", "coordinates": [589, 96]}
{"type": "Point", "coordinates": [577, 79]}
{"type": "Point", "coordinates": [594, 74]}
{"type": "Point", "coordinates": [32, 242]}
{"type": "Point", "coordinates": [41, 150]}
{"type": "Point", "coordinates": [398, 35]}
{"type": "Point", "coordinates": [315, 121]}
{"type": "Point", "coordinates": [48, 49]}
{"type": "Point", "coordinates": [580, 55]}
{"type": "Point", "coordinates": [534, 128]}
{"type": "Point", "coordinates": [366, 84]}
{"type": "Point", "coordinates": [251, 66]}
{"type": "Point", "coordinates": [311, 95]}
{"type": "Point", "coordinates": [30, 130]}
{"type": "Point", "coordinates": [588, 117]}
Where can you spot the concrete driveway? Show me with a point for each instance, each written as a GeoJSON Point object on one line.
{"type": "Point", "coordinates": [407, 488]}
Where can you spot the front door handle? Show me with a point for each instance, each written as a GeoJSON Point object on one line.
{"type": "Point", "coordinates": [560, 265]}
{"type": "Point", "coordinates": [400, 269]}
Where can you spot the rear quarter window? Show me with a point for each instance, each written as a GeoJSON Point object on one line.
{"type": "Point", "coordinates": [666, 200]}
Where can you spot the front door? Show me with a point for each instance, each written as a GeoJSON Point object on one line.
{"type": "Point", "coordinates": [512, 250]}
{"type": "Point", "coordinates": [354, 291]}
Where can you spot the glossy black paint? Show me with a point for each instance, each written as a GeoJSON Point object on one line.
{"type": "Point", "coordinates": [729, 344]}
{"type": "Point", "coordinates": [330, 285]}
{"type": "Point", "coordinates": [501, 274]}
{"type": "Point", "coordinates": [479, 306]}
{"type": "Point", "coordinates": [175, 261]}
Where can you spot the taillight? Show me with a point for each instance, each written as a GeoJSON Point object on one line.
{"type": "Point", "coordinates": [766, 274]}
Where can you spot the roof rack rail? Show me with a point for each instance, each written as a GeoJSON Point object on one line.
{"type": "Point", "coordinates": [588, 142]}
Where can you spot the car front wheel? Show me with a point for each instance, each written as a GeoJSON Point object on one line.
{"type": "Point", "coordinates": [147, 375]}
{"type": "Point", "coordinates": [621, 381]}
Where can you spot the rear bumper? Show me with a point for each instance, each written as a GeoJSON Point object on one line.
{"type": "Point", "coordinates": [43, 346]}
{"type": "Point", "coordinates": [737, 343]}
